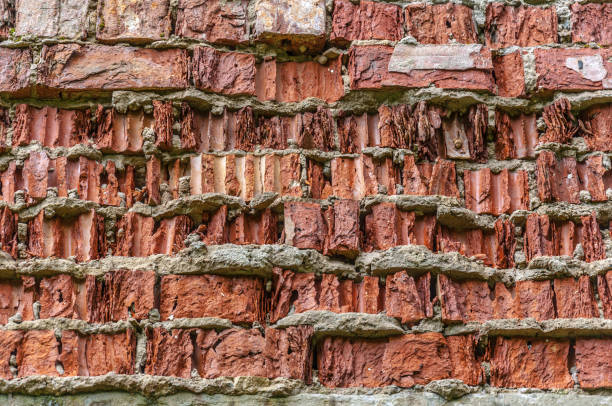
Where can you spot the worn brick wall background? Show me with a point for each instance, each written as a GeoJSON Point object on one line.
{"type": "Point", "coordinates": [305, 202]}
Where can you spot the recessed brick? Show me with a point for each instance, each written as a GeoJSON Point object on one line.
{"type": "Point", "coordinates": [298, 25]}
{"type": "Point", "coordinates": [10, 343]}
{"type": "Point", "coordinates": [365, 21]}
{"type": "Point", "coordinates": [60, 18]}
{"type": "Point", "coordinates": [370, 68]}
{"type": "Point", "coordinates": [573, 69]}
{"type": "Point", "coordinates": [297, 290]}
{"type": "Point", "coordinates": [509, 74]}
{"type": "Point", "coordinates": [296, 81]}
{"type": "Point", "coordinates": [239, 299]}
{"type": "Point", "coordinates": [534, 363]}
{"type": "Point", "coordinates": [441, 23]}
{"type": "Point", "coordinates": [591, 23]}
{"type": "Point", "coordinates": [343, 228]}
{"type": "Point", "coordinates": [521, 26]}
{"type": "Point", "coordinates": [71, 67]}
{"type": "Point", "coordinates": [223, 72]}
{"type": "Point", "coordinates": [223, 22]}
{"type": "Point", "coordinates": [8, 231]}
{"type": "Point", "coordinates": [134, 21]}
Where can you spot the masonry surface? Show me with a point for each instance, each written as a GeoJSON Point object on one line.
{"type": "Point", "coordinates": [305, 202]}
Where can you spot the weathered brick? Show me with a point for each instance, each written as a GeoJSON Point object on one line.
{"type": "Point", "coordinates": [343, 228]}
{"type": "Point", "coordinates": [169, 352]}
{"type": "Point", "coordinates": [121, 133]}
{"type": "Point", "coordinates": [591, 239]}
{"type": "Point", "coordinates": [239, 299]}
{"type": "Point", "coordinates": [295, 290]}
{"type": "Point", "coordinates": [504, 192]}
{"type": "Point", "coordinates": [516, 135]}
{"type": "Point", "coordinates": [305, 226]}
{"type": "Point", "coordinates": [522, 26]}
{"type": "Point", "coordinates": [298, 25]}
{"type": "Point", "coordinates": [7, 18]}
{"type": "Point", "coordinates": [591, 23]}
{"type": "Point", "coordinates": [119, 295]}
{"type": "Point", "coordinates": [543, 237]}
{"type": "Point", "coordinates": [106, 353]}
{"type": "Point", "coordinates": [594, 363]}
{"type": "Point", "coordinates": [441, 23]}
{"type": "Point", "coordinates": [575, 298]}
{"type": "Point", "coordinates": [365, 21]}
{"type": "Point", "coordinates": [10, 343]}
{"type": "Point", "coordinates": [534, 363]}
{"type": "Point", "coordinates": [526, 299]}
{"type": "Point", "coordinates": [573, 69]}
{"type": "Point", "coordinates": [38, 354]}
{"type": "Point", "coordinates": [15, 71]}
{"type": "Point", "coordinates": [466, 67]}
{"type": "Point", "coordinates": [464, 301]}
{"type": "Point", "coordinates": [17, 296]}
{"type": "Point", "coordinates": [509, 74]}
{"type": "Point", "coordinates": [57, 297]}
{"type": "Point", "coordinates": [8, 231]}
{"type": "Point", "coordinates": [407, 298]}
{"type": "Point", "coordinates": [597, 127]}
{"type": "Point", "coordinates": [134, 21]}
{"type": "Point", "coordinates": [50, 126]}
{"type": "Point", "coordinates": [223, 72]}
{"type": "Point", "coordinates": [134, 233]}
{"type": "Point", "coordinates": [73, 67]}
{"type": "Point", "coordinates": [405, 361]}
{"type": "Point", "coordinates": [296, 81]}
{"type": "Point", "coordinates": [59, 18]}
{"type": "Point", "coordinates": [604, 289]}
{"type": "Point", "coordinates": [223, 22]}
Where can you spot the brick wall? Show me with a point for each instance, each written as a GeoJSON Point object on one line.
{"type": "Point", "coordinates": [208, 201]}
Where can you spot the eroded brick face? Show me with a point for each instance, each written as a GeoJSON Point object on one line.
{"type": "Point", "coordinates": [221, 201]}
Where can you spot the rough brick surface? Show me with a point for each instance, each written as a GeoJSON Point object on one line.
{"type": "Point", "coordinates": [441, 23]}
{"type": "Point", "coordinates": [133, 21]}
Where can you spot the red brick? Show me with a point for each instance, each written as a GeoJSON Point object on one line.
{"type": "Point", "coordinates": [387, 227]}
{"type": "Point", "coordinates": [557, 179]}
{"type": "Point", "coordinates": [532, 363]}
{"type": "Point", "coordinates": [408, 299]}
{"type": "Point", "coordinates": [297, 290]}
{"type": "Point", "coordinates": [8, 231]}
{"type": "Point", "coordinates": [575, 298]}
{"type": "Point", "coordinates": [257, 228]}
{"type": "Point", "coordinates": [365, 21]}
{"type": "Point", "coordinates": [597, 121]}
{"type": "Point", "coordinates": [213, 21]}
{"type": "Point", "coordinates": [305, 226]}
{"type": "Point", "coordinates": [71, 67]}
{"type": "Point", "coordinates": [296, 25]}
{"type": "Point", "coordinates": [134, 233]}
{"type": "Point", "coordinates": [527, 299]}
{"type": "Point", "coordinates": [441, 23]}
{"type": "Point", "coordinates": [591, 23]}
{"type": "Point", "coordinates": [317, 130]}
{"type": "Point", "coordinates": [10, 343]}
{"type": "Point", "coordinates": [368, 68]}
{"type": "Point", "coordinates": [169, 237]}
{"type": "Point", "coordinates": [119, 295]}
{"type": "Point", "coordinates": [229, 73]}
{"type": "Point", "coordinates": [57, 297]}
{"type": "Point", "coordinates": [35, 175]}
{"type": "Point", "coordinates": [335, 295]}
{"type": "Point", "coordinates": [604, 289]}
{"type": "Point", "coordinates": [516, 136]}
{"type": "Point", "coordinates": [17, 296]}
{"type": "Point", "coordinates": [169, 352]}
{"type": "Point", "coordinates": [505, 243]}
{"type": "Point", "coordinates": [14, 77]}
{"type": "Point", "coordinates": [50, 126]}
{"type": "Point", "coordinates": [133, 21]}
{"type": "Point", "coordinates": [591, 239]}
{"type": "Point", "coordinates": [239, 299]}
{"type": "Point", "coordinates": [465, 134]}
{"type": "Point", "coordinates": [214, 230]}
{"type": "Point", "coordinates": [464, 301]}
{"type": "Point", "coordinates": [481, 245]}
{"type": "Point", "coordinates": [509, 74]}
{"type": "Point", "coordinates": [594, 362]}
{"type": "Point", "coordinates": [296, 81]}
{"type": "Point", "coordinates": [573, 69]}
{"type": "Point", "coordinates": [82, 237]}
{"type": "Point", "coordinates": [4, 126]}
{"type": "Point", "coordinates": [105, 353]}
{"type": "Point", "coordinates": [464, 364]}
{"type": "Point", "coordinates": [559, 122]}
{"type": "Point", "coordinates": [367, 297]}
{"type": "Point", "coordinates": [496, 194]}
{"type": "Point", "coordinates": [522, 26]}
{"type": "Point", "coordinates": [545, 238]}
{"type": "Point", "coordinates": [443, 179]}
{"type": "Point", "coordinates": [38, 354]}
{"type": "Point", "coordinates": [343, 228]}
{"type": "Point", "coordinates": [405, 361]}
{"type": "Point", "coordinates": [7, 21]}
{"type": "Point", "coordinates": [66, 19]}
{"type": "Point", "coordinates": [121, 132]}
{"type": "Point", "coordinates": [288, 353]}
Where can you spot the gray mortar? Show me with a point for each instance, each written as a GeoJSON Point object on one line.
{"type": "Point", "coordinates": [461, 218]}
{"type": "Point", "coordinates": [555, 328]}
{"type": "Point", "coordinates": [327, 323]}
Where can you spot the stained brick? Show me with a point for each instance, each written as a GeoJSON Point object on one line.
{"type": "Point", "coordinates": [305, 226]}
{"type": "Point", "coordinates": [407, 298]}
{"type": "Point", "coordinates": [604, 289]}
{"type": "Point", "coordinates": [57, 297]}
{"type": "Point", "coordinates": [597, 121]}
{"type": "Point", "coordinates": [504, 192]}
{"type": "Point", "coordinates": [516, 135]}
{"type": "Point", "coordinates": [62, 18]}
{"type": "Point", "coordinates": [369, 67]}
{"type": "Point", "coordinates": [575, 298]}
{"type": "Point", "coordinates": [134, 21]}
{"type": "Point", "coordinates": [7, 18]}
{"type": "Point", "coordinates": [509, 74]}
{"type": "Point", "coordinates": [573, 69]}
{"type": "Point", "coordinates": [298, 25]}
{"type": "Point", "coordinates": [14, 77]}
